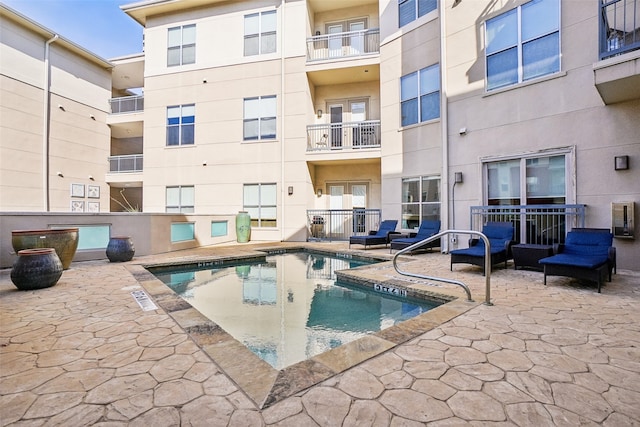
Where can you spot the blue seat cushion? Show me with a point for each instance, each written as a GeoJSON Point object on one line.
{"type": "Point", "coordinates": [498, 232]}
{"type": "Point", "coordinates": [409, 240]}
{"type": "Point", "coordinates": [478, 250]}
{"type": "Point", "coordinates": [584, 261]}
{"type": "Point", "coordinates": [587, 244]}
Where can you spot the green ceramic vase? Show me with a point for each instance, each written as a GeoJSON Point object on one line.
{"type": "Point", "coordinates": [243, 227]}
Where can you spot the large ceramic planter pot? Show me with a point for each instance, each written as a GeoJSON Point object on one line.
{"type": "Point", "coordinates": [243, 227]}
{"type": "Point", "coordinates": [120, 249]}
{"type": "Point", "coordinates": [36, 269]}
{"type": "Point", "coordinates": [63, 240]}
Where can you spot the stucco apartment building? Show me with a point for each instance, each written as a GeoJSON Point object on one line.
{"type": "Point", "coordinates": [53, 107]}
{"type": "Point", "coordinates": [455, 110]}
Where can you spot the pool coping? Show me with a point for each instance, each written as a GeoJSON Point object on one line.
{"type": "Point", "coordinates": [262, 383]}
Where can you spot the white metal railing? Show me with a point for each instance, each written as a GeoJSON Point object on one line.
{"type": "Point", "coordinates": [537, 224]}
{"type": "Point", "coordinates": [124, 164]}
{"type": "Point", "coordinates": [619, 27]}
{"type": "Point", "coordinates": [341, 136]}
{"type": "Point", "coordinates": [127, 104]}
{"type": "Point", "coordinates": [340, 224]}
{"type": "Point", "coordinates": [343, 45]}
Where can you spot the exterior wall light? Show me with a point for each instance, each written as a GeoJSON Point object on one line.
{"type": "Point", "coordinates": [621, 163]}
{"type": "Point", "coordinates": [319, 192]}
{"type": "Point", "coordinates": [290, 190]}
{"type": "Point", "coordinates": [319, 113]}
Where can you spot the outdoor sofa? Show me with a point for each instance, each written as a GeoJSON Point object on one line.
{"type": "Point", "coordinates": [377, 237]}
{"type": "Point", "coordinates": [500, 235]}
{"type": "Point", "coordinates": [427, 229]}
{"type": "Point", "coordinates": [586, 254]}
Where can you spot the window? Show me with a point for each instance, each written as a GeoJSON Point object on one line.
{"type": "Point", "coordinates": [181, 124]}
{"type": "Point", "coordinates": [420, 96]}
{"type": "Point", "coordinates": [181, 46]}
{"type": "Point", "coordinates": [523, 44]}
{"type": "Point", "coordinates": [420, 200]}
{"type": "Point", "coordinates": [260, 33]}
{"type": "Point", "coordinates": [260, 118]}
{"type": "Point", "coordinates": [537, 181]}
{"type": "Point", "coordinates": [260, 201]}
{"type": "Point", "coordinates": [410, 10]}
{"type": "Point", "coordinates": [544, 180]}
{"type": "Point", "coordinates": [180, 199]}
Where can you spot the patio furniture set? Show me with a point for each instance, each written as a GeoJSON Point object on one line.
{"type": "Point", "coordinates": [587, 253]}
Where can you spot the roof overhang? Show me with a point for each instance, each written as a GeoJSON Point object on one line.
{"type": "Point", "coordinates": [141, 10]}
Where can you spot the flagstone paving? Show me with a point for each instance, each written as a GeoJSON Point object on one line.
{"type": "Point", "coordinates": [85, 353]}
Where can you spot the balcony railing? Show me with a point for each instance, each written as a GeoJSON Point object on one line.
{"type": "Point", "coordinates": [534, 224]}
{"type": "Point", "coordinates": [340, 224]}
{"type": "Point", "coordinates": [343, 136]}
{"type": "Point", "coordinates": [619, 27]}
{"type": "Point", "coordinates": [343, 45]}
{"type": "Point", "coordinates": [125, 164]}
{"type": "Point", "coordinates": [127, 104]}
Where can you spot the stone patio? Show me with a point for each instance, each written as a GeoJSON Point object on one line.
{"type": "Point", "coordinates": [85, 353]}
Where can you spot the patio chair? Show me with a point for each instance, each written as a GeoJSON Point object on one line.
{"type": "Point", "coordinates": [426, 230]}
{"type": "Point", "coordinates": [500, 235]}
{"type": "Point", "coordinates": [587, 254]}
{"type": "Point", "coordinates": [379, 237]}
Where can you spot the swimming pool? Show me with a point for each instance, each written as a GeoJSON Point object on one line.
{"type": "Point", "coordinates": [289, 307]}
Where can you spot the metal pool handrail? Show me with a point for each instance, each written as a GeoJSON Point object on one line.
{"type": "Point", "coordinates": [487, 262]}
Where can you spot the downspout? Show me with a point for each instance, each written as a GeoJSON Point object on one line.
{"type": "Point", "coordinates": [282, 121]}
{"type": "Point", "coordinates": [444, 122]}
{"type": "Point", "coordinates": [46, 105]}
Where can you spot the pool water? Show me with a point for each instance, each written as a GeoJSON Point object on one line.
{"type": "Point", "coordinates": [290, 307]}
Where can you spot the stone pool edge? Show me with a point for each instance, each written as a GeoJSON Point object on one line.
{"type": "Point", "coordinates": [262, 383]}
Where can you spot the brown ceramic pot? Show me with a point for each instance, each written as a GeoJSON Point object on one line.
{"type": "Point", "coordinates": [63, 240]}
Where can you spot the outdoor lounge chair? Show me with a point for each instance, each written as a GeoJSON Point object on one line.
{"type": "Point", "coordinates": [587, 254]}
{"type": "Point", "coordinates": [426, 230]}
{"type": "Point", "coordinates": [500, 235]}
{"type": "Point", "coordinates": [379, 237]}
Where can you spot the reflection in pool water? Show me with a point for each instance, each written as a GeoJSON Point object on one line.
{"type": "Point", "coordinates": [290, 307]}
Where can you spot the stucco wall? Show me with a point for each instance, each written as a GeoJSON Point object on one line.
{"type": "Point", "coordinates": [151, 233]}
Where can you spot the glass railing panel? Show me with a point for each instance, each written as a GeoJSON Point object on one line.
{"type": "Point", "coordinates": [127, 163]}
{"type": "Point", "coordinates": [127, 104]}
{"type": "Point", "coordinates": [343, 45]}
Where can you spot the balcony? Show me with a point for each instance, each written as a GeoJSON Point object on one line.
{"type": "Point", "coordinates": [617, 75]}
{"type": "Point", "coordinates": [125, 164]}
{"type": "Point", "coordinates": [351, 44]}
{"type": "Point", "coordinates": [127, 104]}
{"type": "Point", "coordinates": [343, 136]}
{"type": "Point", "coordinates": [619, 27]}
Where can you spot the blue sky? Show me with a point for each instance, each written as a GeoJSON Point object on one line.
{"type": "Point", "coordinates": [99, 26]}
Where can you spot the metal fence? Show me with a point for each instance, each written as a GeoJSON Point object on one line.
{"type": "Point", "coordinates": [619, 27]}
{"type": "Point", "coordinates": [535, 224]}
{"type": "Point", "coordinates": [343, 136]}
{"type": "Point", "coordinates": [127, 104]}
{"type": "Point", "coordinates": [343, 45]}
{"type": "Point", "coordinates": [128, 163]}
{"type": "Point", "coordinates": [340, 224]}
